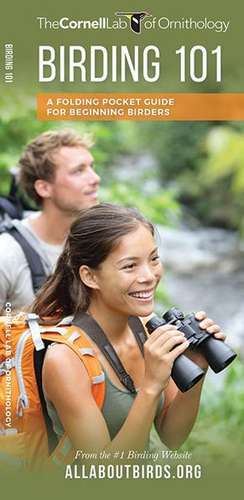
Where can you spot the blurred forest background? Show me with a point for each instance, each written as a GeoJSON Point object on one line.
{"type": "Point", "coordinates": [188, 178]}
{"type": "Point", "coordinates": [200, 164]}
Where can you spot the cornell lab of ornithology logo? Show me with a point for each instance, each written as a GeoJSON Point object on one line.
{"type": "Point", "coordinates": [135, 19]}
{"type": "Point", "coordinates": [137, 22]}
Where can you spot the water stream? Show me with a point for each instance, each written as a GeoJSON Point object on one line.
{"type": "Point", "coordinates": [204, 271]}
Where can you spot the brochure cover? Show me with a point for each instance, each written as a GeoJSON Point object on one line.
{"type": "Point", "coordinates": [159, 87]}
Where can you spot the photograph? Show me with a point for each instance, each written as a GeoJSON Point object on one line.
{"type": "Point", "coordinates": [121, 249]}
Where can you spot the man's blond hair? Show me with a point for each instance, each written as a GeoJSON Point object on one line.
{"type": "Point", "coordinates": [37, 160]}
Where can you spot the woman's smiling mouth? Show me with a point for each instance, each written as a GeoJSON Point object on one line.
{"type": "Point", "coordinates": [143, 295]}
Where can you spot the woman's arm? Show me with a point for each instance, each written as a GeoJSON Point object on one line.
{"type": "Point", "coordinates": [180, 409]}
{"type": "Point", "coordinates": [68, 387]}
{"type": "Point", "coordinates": [179, 414]}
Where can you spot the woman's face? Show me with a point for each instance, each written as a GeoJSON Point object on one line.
{"type": "Point", "coordinates": [126, 281]}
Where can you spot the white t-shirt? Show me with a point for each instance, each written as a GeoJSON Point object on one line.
{"type": "Point", "coordinates": [15, 277]}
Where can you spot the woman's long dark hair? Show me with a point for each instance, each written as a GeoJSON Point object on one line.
{"type": "Point", "coordinates": [92, 237]}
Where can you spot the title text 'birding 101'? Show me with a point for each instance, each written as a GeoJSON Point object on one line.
{"type": "Point", "coordinates": [76, 63]}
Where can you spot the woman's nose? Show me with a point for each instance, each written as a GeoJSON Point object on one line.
{"type": "Point", "coordinates": [146, 275]}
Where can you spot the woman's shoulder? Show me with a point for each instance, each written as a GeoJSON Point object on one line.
{"type": "Point", "coordinates": [62, 365]}
{"type": "Point", "coordinates": [61, 356]}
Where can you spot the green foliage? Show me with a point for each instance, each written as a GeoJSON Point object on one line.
{"type": "Point", "coordinates": [224, 171]}
{"type": "Point", "coordinates": [159, 208]}
{"type": "Point", "coordinates": [178, 146]}
{"type": "Point", "coordinates": [180, 150]}
{"type": "Point", "coordinates": [226, 149]}
{"type": "Point", "coordinates": [18, 126]}
{"type": "Point", "coordinates": [162, 301]}
{"type": "Point", "coordinates": [17, 130]}
{"type": "Point", "coordinates": [204, 162]}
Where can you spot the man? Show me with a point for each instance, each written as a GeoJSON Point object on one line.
{"type": "Point", "coordinates": [56, 171]}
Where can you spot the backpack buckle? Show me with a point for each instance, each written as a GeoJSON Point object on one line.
{"type": "Point", "coordinates": [32, 320]}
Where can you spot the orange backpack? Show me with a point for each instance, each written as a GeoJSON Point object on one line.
{"type": "Point", "coordinates": [24, 439]}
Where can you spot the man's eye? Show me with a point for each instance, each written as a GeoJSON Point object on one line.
{"type": "Point", "coordinates": [155, 258]}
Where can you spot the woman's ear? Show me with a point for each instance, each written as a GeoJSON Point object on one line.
{"type": "Point", "coordinates": [88, 277]}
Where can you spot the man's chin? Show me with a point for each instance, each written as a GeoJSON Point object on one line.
{"type": "Point", "coordinates": [92, 203]}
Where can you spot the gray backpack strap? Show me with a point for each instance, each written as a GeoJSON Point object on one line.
{"type": "Point", "coordinates": [38, 275]}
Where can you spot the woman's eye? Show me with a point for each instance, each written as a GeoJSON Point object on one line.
{"type": "Point", "coordinates": [129, 266]}
{"type": "Point", "coordinates": [155, 258]}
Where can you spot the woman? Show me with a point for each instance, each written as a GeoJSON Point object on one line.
{"type": "Point", "coordinates": [110, 268]}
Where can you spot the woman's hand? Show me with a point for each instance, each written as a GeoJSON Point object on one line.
{"type": "Point", "coordinates": [212, 328]}
{"type": "Point", "coordinates": [161, 349]}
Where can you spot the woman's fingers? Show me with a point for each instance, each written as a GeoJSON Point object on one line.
{"type": "Point", "coordinates": [165, 334]}
{"type": "Point", "coordinates": [165, 340]}
{"type": "Point", "coordinates": [172, 342]}
{"type": "Point", "coordinates": [163, 346]}
{"type": "Point", "coordinates": [200, 315]}
{"type": "Point", "coordinates": [160, 351]}
{"type": "Point", "coordinates": [178, 350]}
{"type": "Point", "coordinates": [209, 325]}
{"type": "Point", "coordinates": [162, 331]}
{"type": "Point", "coordinates": [206, 323]}
{"type": "Point", "coordinates": [219, 335]}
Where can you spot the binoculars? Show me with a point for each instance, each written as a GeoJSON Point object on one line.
{"type": "Point", "coordinates": [185, 372]}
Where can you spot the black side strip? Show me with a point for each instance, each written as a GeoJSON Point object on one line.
{"type": "Point", "coordinates": [38, 364]}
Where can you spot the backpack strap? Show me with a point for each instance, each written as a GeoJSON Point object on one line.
{"type": "Point", "coordinates": [38, 274]}
{"type": "Point", "coordinates": [95, 332]}
{"type": "Point", "coordinates": [63, 452]}
{"type": "Point", "coordinates": [76, 340]}
{"type": "Point", "coordinates": [10, 208]}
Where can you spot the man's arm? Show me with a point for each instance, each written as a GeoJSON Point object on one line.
{"type": "Point", "coordinates": [15, 277]}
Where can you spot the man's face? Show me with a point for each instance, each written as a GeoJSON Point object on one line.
{"type": "Point", "coordinates": [75, 183]}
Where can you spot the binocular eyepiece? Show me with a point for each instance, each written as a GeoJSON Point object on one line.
{"type": "Point", "coordinates": [185, 372]}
